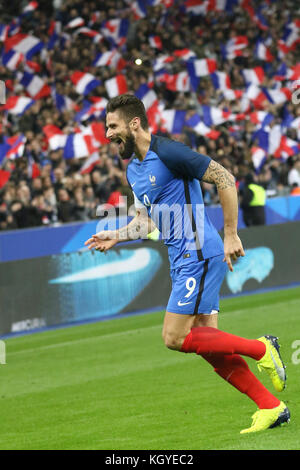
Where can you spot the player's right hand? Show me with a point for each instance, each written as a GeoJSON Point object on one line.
{"type": "Point", "coordinates": [102, 241]}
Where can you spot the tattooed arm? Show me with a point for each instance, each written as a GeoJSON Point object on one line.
{"type": "Point", "coordinates": [139, 227]}
{"type": "Point", "coordinates": [225, 184]}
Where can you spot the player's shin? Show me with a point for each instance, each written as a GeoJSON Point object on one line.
{"type": "Point", "coordinates": [234, 369]}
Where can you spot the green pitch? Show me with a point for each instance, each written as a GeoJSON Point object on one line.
{"type": "Point", "coordinates": [114, 385]}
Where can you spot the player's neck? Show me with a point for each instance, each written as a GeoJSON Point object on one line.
{"type": "Point", "coordinates": [142, 144]}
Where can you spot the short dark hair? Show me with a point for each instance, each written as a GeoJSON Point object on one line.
{"type": "Point", "coordinates": [130, 107]}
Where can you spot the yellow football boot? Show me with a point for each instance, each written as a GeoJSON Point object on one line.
{"type": "Point", "coordinates": [265, 419]}
{"type": "Point", "coordinates": [272, 363]}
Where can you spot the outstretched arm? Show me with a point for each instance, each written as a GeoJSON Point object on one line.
{"type": "Point", "coordinates": [225, 183]}
{"type": "Point", "coordinates": [139, 227]}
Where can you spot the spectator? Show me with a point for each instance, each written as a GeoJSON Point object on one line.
{"type": "Point", "coordinates": [65, 207]}
{"type": "Point", "coordinates": [294, 173]}
{"type": "Point", "coordinates": [233, 118]}
{"type": "Point", "coordinates": [253, 202]}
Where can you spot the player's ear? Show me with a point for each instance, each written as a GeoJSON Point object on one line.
{"type": "Point", "coordinates": [134, 123]}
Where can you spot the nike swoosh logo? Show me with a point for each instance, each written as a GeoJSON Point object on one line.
{"type": "Point", "coordinates": [133, 184]}
{"type": "Point", "coordinates": [183, 303]}
{"type": "Point", "coordinates": [280, 370]}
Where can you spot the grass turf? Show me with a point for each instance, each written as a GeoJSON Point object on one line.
{"type": "Point", "coordinates": [113, 385]}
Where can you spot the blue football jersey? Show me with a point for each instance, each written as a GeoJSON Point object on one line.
{"type": "Point", "coordinates": [167, 183]}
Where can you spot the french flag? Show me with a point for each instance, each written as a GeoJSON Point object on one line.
{"type": "Point", "coordinates": [116, 86]}
{"type": "Point", "coordinates": [287, 148]}
{"type": "Point", "coordinates": [274, 139]}
{"type": "Point", "coordinates": [221, 5]}
{"type": "Point", "coordinates": [147, 96]}
{"type": "Point", "coordinates": [184, 54]}
{"type": "Point", "coordinates": [221, 80]}
{"type": "Point", "coordinates": [263, 52]}
{"type": "Point", "coordinates": [196, 123]}
{"type": "Point", "coordinates": [116, 30]}
{"type": "Point", "coordinates": [178, 82]}
{"type": "Point", "coordinates": [151, 103]}
{"type": "Point", "coordinates": [293, 73]}
{"type": "Point", "coordinates": [281, 73]}
{"type": "Point", "coordinates": [110, 59]}
{"type": "Point", "coordinates": [3, 32]}
{"type": "Point", "coordinates": [31, 6]}
{"type": "Point", "coordinates": [139, 9]}
{"type": "Point", "coordinates": [295, 123]}
{"type": "Point", "coordinates": [55, 137]}
{"type": "Point", "coordinates": [260, 20]}
{"type": "Point", "coordinates": [212, 116]}
{"type": "Point", "coordinates": [195, 7]}
{"type": "Point", "coordinates": [254, 95]}
{"type": "Point", "coordinates": [155, 42]}
{"type": "Point", "coordinates": [17, 145]}
{"type": "Point", "coordinates": [4, 177]}
{"type": "Point", "coordinates": [78, 146]}
{"type": "Point", "coordinates": [97, 131]}
{"type": "Point", "coordinates": [202, 67]}
{"type": "Point", "coordinates": [84, 83]}
{"type": "Point", "coordinates": [33, 169]}
{"type": "Point", "coordinates": [261, 118]}
{"type": "Point", "coordinates": [96, 109]}
{"type": "Point", "coordinates": [278, 96]}
{"type": "Point", "coordinates": [15, 26]}
{"type": "Point", "coordinates": [161, 61]}
{"type": "Point", "coordinates": [26, 44]}
{"type": "Point", "coordinates": [173, 120]}
{"type": "Point", "coordinates": [32, 67]}
{"type": "Point", "coordinates": [4, 148]}
{"type": "Point", "coordinates": [90, 163]}
{"type": "Point", "coordinates": [75, 23]}
{"type": "Point", "coordinates": [255, 15]}
{"type": "Point", "coordinates": [35, 86]}
{"type": "Point", "coordinates": [12, 59]}
{"type": "Point", "coordinates": [234, 47]}
{"type": "Point", "coordinates": [232, 95]}
{"type": "Point", "coordinates": [254, 76]}
{"type": "Point", "coordinates": [259, 157]}
{"type": "Point", "coordinates": [62, 102]}
{"type": "Point", "coordinates": [17, 105]}
{"type": "Point", "coordinates": [53, 33]}
{"type": "Point", "coordinates": [90, 33]}
{"type": "Point", "coordinates": [291, 37]}
{"type": "Point", "coordinates": [86, 142]}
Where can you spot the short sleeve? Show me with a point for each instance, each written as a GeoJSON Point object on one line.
{"type": "Point", "coordinates": [180, 158]}
{"type": "Point", "coordinates": [138, 204]}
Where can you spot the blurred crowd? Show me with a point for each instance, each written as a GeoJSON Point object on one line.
{"type": "Point", "coordinates": [39, 186]}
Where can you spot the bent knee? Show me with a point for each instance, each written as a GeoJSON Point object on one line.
{"type": "Point", "coordinates": [172, 341]}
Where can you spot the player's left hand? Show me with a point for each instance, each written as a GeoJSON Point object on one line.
{"type": "Point", "coordinates": [233, 249]}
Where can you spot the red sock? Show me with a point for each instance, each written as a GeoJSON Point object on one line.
{"type": "Point", "coordinates": [207, 340]}
{"type": "Point", "coordinates": [235, 371]}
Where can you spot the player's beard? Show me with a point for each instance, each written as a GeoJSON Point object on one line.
{"type": "Point", "coordinates": [128, 145]}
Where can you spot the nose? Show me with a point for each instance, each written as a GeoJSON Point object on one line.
{"type": "Point", "coordinates": [109, 134]}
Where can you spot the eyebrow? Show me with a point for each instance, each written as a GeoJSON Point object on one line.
{"type": "Point", "coordinates": [110, 124]}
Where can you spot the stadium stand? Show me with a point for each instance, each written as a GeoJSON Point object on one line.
{"type": "Point", "coordinates": [221, 76]}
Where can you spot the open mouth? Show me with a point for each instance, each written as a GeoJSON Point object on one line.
{"type": "Point", "coordinates": [119, 143]}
